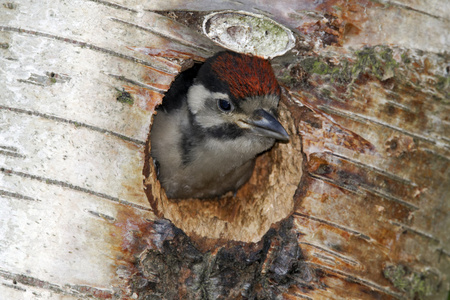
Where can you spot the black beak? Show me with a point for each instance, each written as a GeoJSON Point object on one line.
{"type": "Point", "coordinates": [263, 123]}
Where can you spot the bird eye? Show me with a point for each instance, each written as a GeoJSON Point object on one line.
{"type": "Point", "coordinates": [224, 105]}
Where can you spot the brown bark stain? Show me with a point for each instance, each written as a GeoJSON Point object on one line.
{"type": "Point", "coordinates": [368, 208]}
{"type": "Point", "coordinates": [321, 132]}
{"type": "Point", "coordinates": [400, 146]}
{"type": "Point", "coordinates": [333, 22]}
{"type": "Point", "coordinates": [144, 98]}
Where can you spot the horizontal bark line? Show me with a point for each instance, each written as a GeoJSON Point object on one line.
{"type": "Point", "coordinates": [353, 278]}
{"type": "Point", "coordinates": [75, 123]}
{"type": "Point", "coordinates": [432, 152]}
{"type": "Point", "coordinates": [340, 256]}
{"type": "Point", "coordinates": [67, 289]}
{"type": "Point", "coordinates": [406, 7]}
{"type": "Point", "coordinates": [389, 197]}
{"type": "Point", "coordinates": [402, 106]}
{"type": "Point", "coordinates": [374, 169]}
{"type": "Point", "coordinates": [416, 231]}
{"type": "Point", "coordinates": [17, 196]}
{"type": "Point", "coordinates": [30, 82]}
{"type": "Point", "coordinates": [12, 286]}
{"type": "Point", "coordinates": [262, 11]}
{"type": "Point", "coordinates": [12, 154]}
{"type": "Point", "coordinates": [324, 258]}
{"type": "Point", "coordinates": [85, 45]}
{"type": "Point", "coordinates": [354, 232]}
{"type": "Point", "coordinates": [73, 187]}
{"type": "Point", "coordinates": [10, 148]}
{"type": "Point", "coordinates": [114, 5]}
{"type": "Point", "coordinates": [302, 296]}
{"type": "Point", "coordinates": [443, 251]}
{"type": "Point", "coordinates": [362, 119]}
{"type": "Point", "coordinates": [444, 137]}
{"type": "Point", "coordinates": [137, 83]}
{"type": "Point", "coordinates": [366, 188]}
{"type": "Point", "coordinates": [160, 34]}
{"type": "Point", "coordinates": [346, 187]}
{"type": "Point", "coordinates": [101, 215]}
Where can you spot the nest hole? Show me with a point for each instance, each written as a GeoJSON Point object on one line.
{"type": "Point", "coordinates": [266, 199]}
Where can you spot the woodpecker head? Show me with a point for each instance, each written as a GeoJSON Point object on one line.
{"type": "Point", "coordinates": [235, 97]}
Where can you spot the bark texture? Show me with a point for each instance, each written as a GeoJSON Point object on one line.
{"type": "Point", "coordinates": [355, 207]}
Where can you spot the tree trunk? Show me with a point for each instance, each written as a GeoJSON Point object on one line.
{"type": "Point", "coordinates": [356, 206]}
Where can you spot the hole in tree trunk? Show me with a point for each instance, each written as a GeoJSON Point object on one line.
{"type": "Point", "coordinates": [265, 199]}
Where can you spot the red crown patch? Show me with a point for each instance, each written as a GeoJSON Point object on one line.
{"type": "Point", "coordinates": [246, 75]}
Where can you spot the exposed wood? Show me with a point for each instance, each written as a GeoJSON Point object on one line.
{"type": "Point", "coordinates": [266, 199]}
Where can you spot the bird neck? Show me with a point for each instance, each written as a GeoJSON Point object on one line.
{"type": "Point", "coordinates": [192, 135]}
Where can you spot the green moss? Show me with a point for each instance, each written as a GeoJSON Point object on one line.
{"type": "Point", "coordinates": [377, 61]}
{"type": "Point", "coordinates": [308, 63]}
{"type": "Point", "coordinates": [321, 68]}
{"type": "Point", "coordinates": [124, 97]}
{"type": "Point", "coordinates": [415, 284]}
{"type": "Point", "coordinates": [443, 84]}
{"type": "Point", "coordinates": [405, 59]}
{"type": "Point", "coordinates": [313, 65]}
{"type": "Point", "coordinates": [340, 73]}
{"type": "Point", "coordinates": [326, 92]}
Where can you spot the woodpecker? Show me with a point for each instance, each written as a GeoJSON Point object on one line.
{"type": "Point", "coordinates": [213, 122]}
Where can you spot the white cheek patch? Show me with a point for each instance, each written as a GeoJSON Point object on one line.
{"type": "Point", "coordinates": [197, 97]}
{"type": "Point", "coordinates": [211, 116]}
{"type": "Point", "coordinates": [202, 103]}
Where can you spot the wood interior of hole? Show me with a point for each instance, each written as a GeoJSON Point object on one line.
{"type": "Point", "coordinates": [264, 200]}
